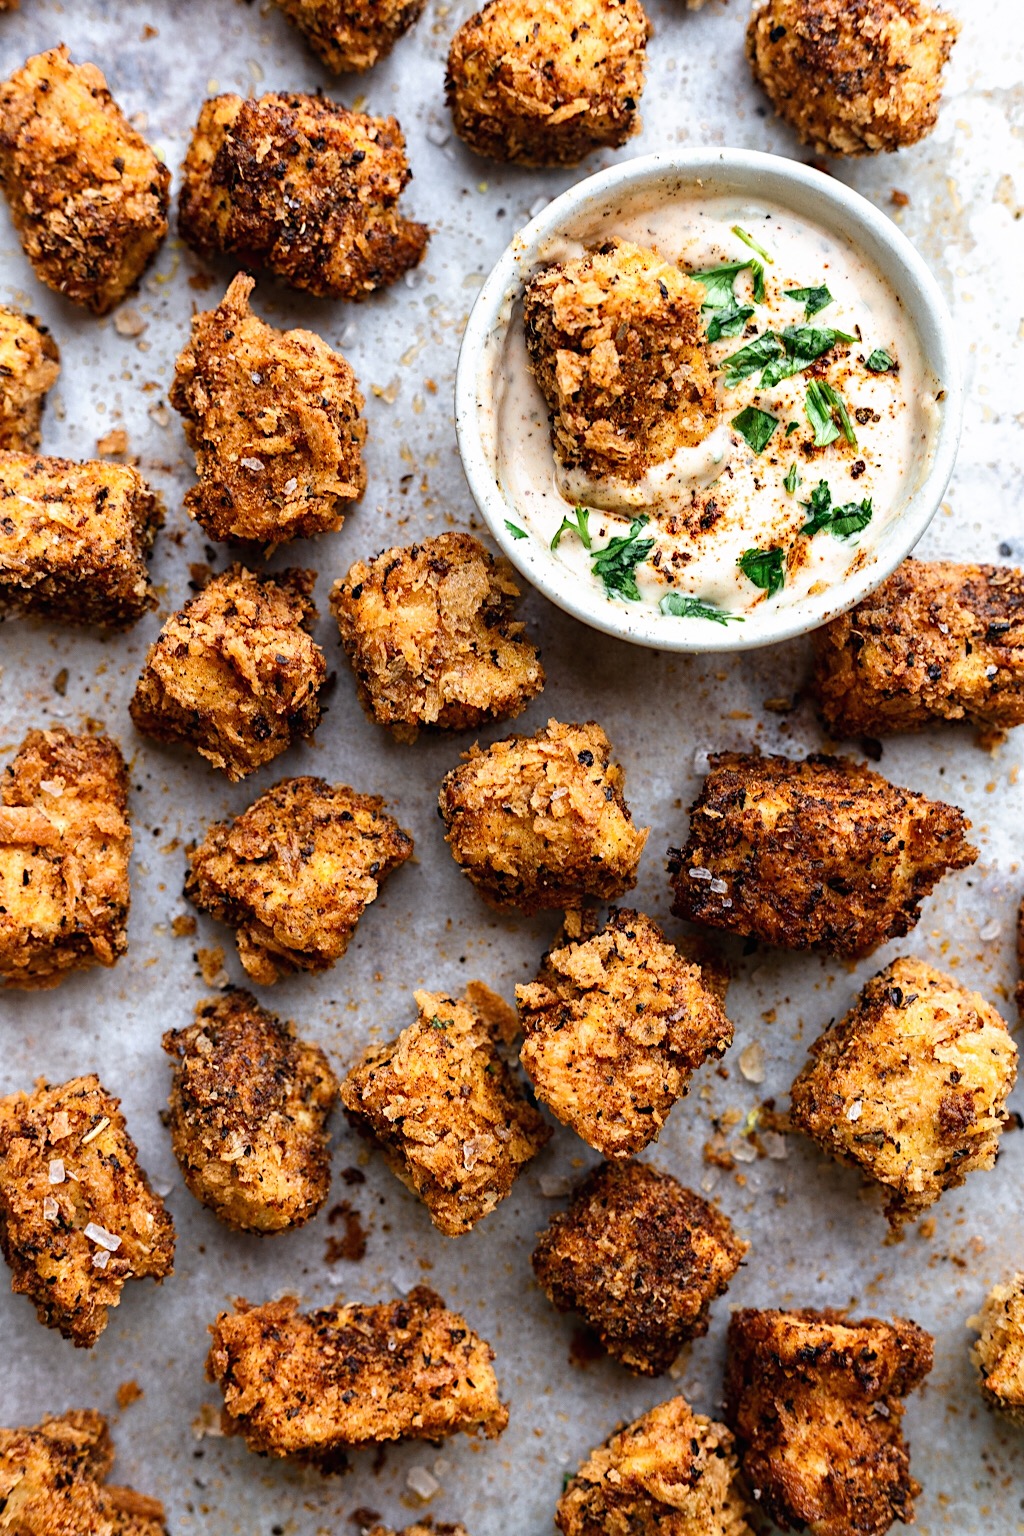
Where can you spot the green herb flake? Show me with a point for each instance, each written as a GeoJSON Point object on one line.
{"type": "Point", "coordinates": [765, 568]}
{"type": "Point", "coordinates": [841, 522]}
{"type": "Point", "coordinates": [820, 508]}
{"type": "Point", "coordinates": [792, 479]}
{"type": "Point", "coordinates": [824, 406]}
{"type": "Point", "coordinates": [880, 361]}
{"type": "Point", "coordinates": [755, 426]}
{"type": "Point", "coordinates": [578, 523]}
{"type": "Point", "coordinates": [814, 300]}
{"type": "Point", "coordinates": [802, 345]}
{"type": "Point", "coordinates": [616, 564]}
{"type": "Point", "coordinates": [794, 426]}
{"type": "Point", "coordinates": [515, 530]}
{"type": "Point", "coordinates": [729, 320]}
{"type": "Point", "coordinates": [851, 519]}
{"type": "Point", "coordinates": [741, 234]}
{"type": "Point", "coordinates": [682, 607]}
{"type": "Point", "coordinates": [717, 283]}
{"type": "Point", "coordinates": [438, 1023]}
{"type": "Point", "coordinates": [757, 354]}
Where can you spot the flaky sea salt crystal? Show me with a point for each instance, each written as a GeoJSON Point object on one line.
{"type": "Point", "coordinates": [743, 1152]}
{"type": "Point", "coordinates": [438, 134]}
{"type": "Point", "coordinates": [853, 1113]}
{"type": "Point", "coordinates": [100, 1260]}
{"type": "Point", "coordinates": [719, 887]}
{"type": "Point", "coordinates": [751, 1062]}
{"type": "Point", "coordinates": [698, 872]}
{"type": "Point", "coordinates": [552, 1185]}
{"type": "Point", "coordinates": [422, 1482]}
{"type": "Point", "coordinates": [56, 1170]}
{"type": "Point", "coordinates": [254, 465]}
{"type": "Point", "coordinates": [990, 931]}
{"type": "Point", "coordinates": [103, 1238]}
{"type": "Point", "coordinates": [290, 486]}
{"type": "Point", "coordinates": [51, 1209]}
{"type": "Point", "coordinates": [775, 1145]}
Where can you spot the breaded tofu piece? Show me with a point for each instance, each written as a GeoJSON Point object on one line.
{"type": "Point", "coordinates": [313, 1385]}
{"type": "Point", "coordinates": [29, 365]}
{"type": "Point", "coordinates": [910, 1086]}
{"type": "Point", "coordinates": [65, 843]}
{"type": "Point", "coordinates": [616, 1024]}
{"type": "Point", "coordinates": [295, 872]}
{"type": "Point", "coordinates": [53, 1482]}
{"type": "Point", "coordinates": [616, 344]}
{"type": "Point", "coordinates": [540, 821]}
{"type": "Point", "coordinates": [446, 1112]}
{"type": "Point", "coordinates": [999, 1352]}
{"type": "Point", "coordinates": [817, 853]}
{"type": "Point", "coordinates": [78, 1218]}
{"type": "Point", "coordinates": [351, 38]}
{"type": "Point", "coordinates": [431, 634]}
{"type": "Point", "coordinates": [640, 1259]}
{"type": "Point", "coordinates": [74, 540]}
{"type": "Point", "coordinates": [250, 1103]}
{"type": "Point", "coordinates": [671, 1473]}
{"type": "Point", "coordinates": [545, 82]}
{"type": "Point", "coordinates": [236, 673]}
{"type": "Point", "coordinates": [88, 196]}
{"type": "Point", "coordinates": [815, 1400]}
{"type": "Point", "coordinates": [304, 188]}
{"type": "Point", "coordinates": [852, 77]}
{"type": "Point", "coordinates": [937, 641]}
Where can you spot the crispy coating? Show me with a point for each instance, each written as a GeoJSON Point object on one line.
{"type": "Point", "coordinates": [421, 1528]}
{"type": "Point", "coordinates": [545, 82]}
{"type": "Point", "coordinates": [616, 1024]}
{"type": "Point", "coordinates": [29, 365]}
{"type": "Point", "coordinates": [74, 540]}
{"type": "Point", "coordinates": [294, 873]}
{"type": "Point", "coordinates": [235, 673]}
{"type": "Point", "coordinates": [88, 196]}
{"type": "Point", "coordinates": [446, 1112]}
{"type": "Point", "coordinates": [78, 1218]}
{"type": "Point", "coordinates": [616, 344]}
{"type": "Point", "coordinates": [999, 1352]}
{"type": "Point", "coordinates": [641, 1259]}
{"type": "Point", "coordinates": [249, 1109]}
{"type": "Point", "coordinates": [910, 1086]}
{"type": "Point", "coordinates": [540, 821]}
{"type": "Point", "coordinates": [822, 852]}
{"type": "Point", "coordinates": [815, 1401]}
{"type": "Point", "coordinates": [275, 420]}
{"type": "Point", "coordinates": [53, 1482]}
{"type": "Point", "coordinates": [303, 187]}
{"type": "Point", "coordinates": [352, 37]}
{"type": "Point", "coordinates": [671, 1473]}
{"type": "Point", "coordinates": [314, 1385]}
{"type": "Point", "coordinates": [65, 843]}
{"type": "Point", "coordinates": [1019, 989]}
{"type": "Point", "coordinates": [852, 77]}
{"type": "Point", "coordinates": [431, 635]}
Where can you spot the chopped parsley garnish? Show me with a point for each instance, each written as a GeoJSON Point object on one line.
{"type": "Point", "coordinates": [880, 361]}
{"type": "Point", "coordinates": [757, 354]}
{"type": "Point", "coordinates": [755, 426]}
{"type": "Point", "coordinates": [794, 426]}
{"type": "Point", "coordinates": [718, 283]}
{"type": "Point", "coordinates": [820, 508]}
{"type": "Point", "coordinates": [578, 523]}
{"type": "Point", "coordinates": [438, 1023]}
{"type": "Point", "coordinates": [792, 479]}
{"type": "Point", "coordinates": [681, 607]}
{"type": "Point", "coordinates": [616, 564]}
{"type": "Point", "coordinates": [851, 519]}
{"type": "Point", "coordinates": [813, 299]}
{"type": "Point", "coordinates": [741, 234]}
{"type": "Point", "coordinates": [765, 568]}
{"type": "Point", "coordinates": [727, 321]}
{"type": "Point", "coordinates": [515, 530]}
{"type": "Point", "coordinates": [842, 522]}
{"type": "Point", "coordinates": [824, 408]}
{"type": "Point", "coordinates": [780, 356]}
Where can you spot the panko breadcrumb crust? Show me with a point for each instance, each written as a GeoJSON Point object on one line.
{"type": "Point", "coordinates": [29, 365]}
{"type": "Point", "coordinates": [421, 1528]}
{"type": "Point", "coordinates": [76, 1129]}
{"type": "Point", "coordinates": [352, 38]}
{"type": "Point", "coordinates": [87, 195]}
{"type": "Point", "coordinates": [53, 1482]}
{"type": "Point", "coordinates": [999, 1351]}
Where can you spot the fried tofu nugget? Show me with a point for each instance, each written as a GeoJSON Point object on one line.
{"type": "Point", "coordinates": [540, 821]}
{"type": "Point", "coordinates": [78, 1218]}
{"type": "Point", "coordinates": [295, 872]}
{"type": "Point", "coordinates": [88, 196]}
{"type": "Point", "coordinates": [53, 1482]}
{"type": "Point", "coordinates": [545, 82]}
{"type": "Point", "coordinates": [274, 418]}
{"type": "Point", "coordinates": [852, 77]}
{"type": "Point", "coordinates": [910, 1086]}
{"type": "Point", "coordinates": [352, 37]}
{"type": "Point", "coordinates": [313, 1385]}
{"type": "Point", "coordinates": [431, 634]}
{"type": "Point", "coordinates": [249, 1109]}
{"type": "Point", "coordinates": [236, 673]}
{"type": "Point", "coordinates": [65, 843]}
{"type": "Point", "coordinates": [304, 188]}
{"type": "Point", "coordinates": [819, 853]}
{"type": "Point", "coordinates": [815, 1401]}
{"type": "Point", "coordinates": [999, 1352]}
{"type": "Point", "coordinates": [29, 365]}
{"type": "Point", "coordinates": [616, 344]}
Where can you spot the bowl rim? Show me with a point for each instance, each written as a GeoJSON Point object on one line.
{"type": "Point", "coordinates": [840, 207]}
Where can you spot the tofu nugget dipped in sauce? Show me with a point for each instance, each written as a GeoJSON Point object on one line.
{"type": "Point", "coordinates": [304, 188]}
{"type": "Point", "coordinates": [852, 77]}
{"type": "Point", "coordinates": [910, 1086]}
{"type": "Point", "coordinates": [999, 1351]}
{"type": "Point", "coordinates": [78, 1218]}
{"type": "Point", "coordinates": [819, 853]}
{"type": "Point", "coordinates": [53, 1482]}
{"type": "Point", "coordinates": [249, 1109]}
{"type": "Point", "coordinates": [314, 1385]}
{"type": "Point", "coordinates": [431, 634]}
{"type": "Point", "coordinates": [29, 365]}
{"type": "Point", "coordinates": [294, 873]}
{"type": "Point", "coordinates": [275, 420]}
{"type": "Point", "coordinates": [87, 195]}
{"type": "Point", "coordinates": [352, 37]}
{"type": "Point", "coordinates": [816, 1402]}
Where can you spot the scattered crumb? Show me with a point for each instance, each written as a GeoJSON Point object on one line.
{"type": "Point", "coordinates": [127, 1393]}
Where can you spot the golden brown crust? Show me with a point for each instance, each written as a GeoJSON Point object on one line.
{"type": "Point", "coordinates": [999, 1352]}
{"type": "Point", "coordinates": [821, 852]}
{"type": "Point", "coordinates": [431, 635]}
{"type": "Point", "coordinates": [352, 37]}
{"type": "Point", "coordinates": [544, 82]}
{"type": "Point", "coordinates": [29, 365]}
{"type": "Point", "coordinates": [910, 1086]}
{"type": "Point", "coordinates": [78, 1218]}
{"type": "Point", "coordinates": [314, 1385]}
{"type": "Point", "coordinates": [1019, 989]}
{"type": "Point", "coordinates": [304, 188]}
{"type": "Point", "coordinates": [815, 1401]}
{"type": "Point", "coordinates": [421, 1528]}
{"type": "Point", "coordinates": [235, 673]}
{"type": "Point", "coordinates": [295, 872]}
{"type": "Point", "coordinates": [88, 196]}
{"type": "Point", "coordinates": [53, 1482]}
{"type": "Point", "coordinates": [65, 843]}
{"type": "Point", "coordinates": [275, 420]}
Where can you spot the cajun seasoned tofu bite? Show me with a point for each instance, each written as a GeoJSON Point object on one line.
{"type": "Point", "coordinates": [821, 852]}
{"type": "Point", "coordinates": [999, 1352]}
{"type": "Point", "coordinates": [87, 195]}
{"type": "Point", "coordinates": [78, 1218]}
{"type": "Point", "coordinates": [53, 1482]}
{"type": "Point", "coordinates": [540, 821]}
{"type": "Point", "coordinates": [29, 365]}
{"type": "Point", "coordinates": [352, 37]}
{"type": "Point", "coordinates": [294, 873]}
{"type": "Point", "coordinates": [910, 1086]}
{"type": "Point", "coordinates": [304, 188]}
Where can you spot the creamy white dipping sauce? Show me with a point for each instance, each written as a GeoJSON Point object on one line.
{"type": "Point", "coordinates": [757, 498]}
